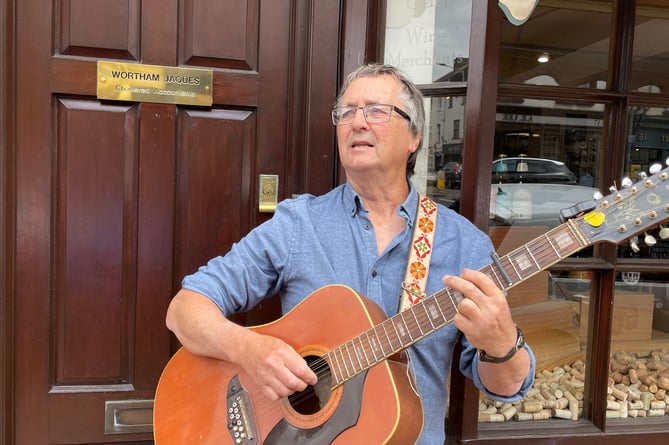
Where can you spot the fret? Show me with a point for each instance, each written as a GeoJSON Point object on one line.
{"type": "Point", "coordinates": [438, 306]}
{"type": "Point", "coordinates": [407, 330]}
{"type": "Point", "coordinates": [423, 306]}
{"type": "Point", "coordinates": [345, 363]}
{"type": "Point", "coordinates": [552, 246]}
{"type": "Point", "coordinates": [397, 334]}
{"type": "Point", "coordinates": [340, 376]}
{"type": "Point", "coordinates": [494, 276]}
{"type": "Point", "coordinates": [510, 267]}
{"type": "Point", "coordinates": [390, 342]}
{"type": "Point", "coordinates": [532, 256]}
{"type": "Point", "coordinates": [379, 342]}
{"type": "Point", "coordinates": [363, 353]}
{"type": "Point", "coordinates": [372, 345]}
{"type": "Point", "coordinates": [413, 312]}
{"type": "Point", "coordinates": [355, 354]}
{"type": "Point", "coordinates": [513, 266]}
{"type": "Point", "coordinates": [454, 304]}
{"type": "Point", "coordinates": [401, 326]}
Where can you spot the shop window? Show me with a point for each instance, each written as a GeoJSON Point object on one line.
{"type": "Point", "coordinates": [429, 41]}
{"type": "Point", "coordinates": [546, 158]}
{"type": "Point", "coordinates": [443, 145]}
{"type": "Point", "coordinates": [562, 43]}
{"type": "Point", "coordinates": [651, 40]}
{"type": "Point", "coordinates": [647, 150]}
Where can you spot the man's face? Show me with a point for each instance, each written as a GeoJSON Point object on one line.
{"type": "Point", "coordinates": [376, 147]}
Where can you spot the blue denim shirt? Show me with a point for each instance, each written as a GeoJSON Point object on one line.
{"type": "Point", "coordinates": [311, 242]}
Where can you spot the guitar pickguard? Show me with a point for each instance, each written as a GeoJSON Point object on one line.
{"type": "Point", "coordinates": [345, 416]}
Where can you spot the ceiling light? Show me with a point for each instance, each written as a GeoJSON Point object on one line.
{"type": "Point", "coordinates": [543, 57]}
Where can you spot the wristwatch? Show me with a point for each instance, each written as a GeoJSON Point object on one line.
{"type": "Point", "coordinates": [520, 343]}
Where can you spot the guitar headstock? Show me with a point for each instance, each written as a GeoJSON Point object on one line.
{"type": "Point", "coordinates": [628, 212]}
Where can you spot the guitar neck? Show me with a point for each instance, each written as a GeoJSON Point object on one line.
{"type": "Point", "coordinates": [436, 311]}
{"type": "Point", "coordinates": [615, 218]}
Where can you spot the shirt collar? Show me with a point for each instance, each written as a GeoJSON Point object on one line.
{"type": "Point", "coordinates": [406, 210]}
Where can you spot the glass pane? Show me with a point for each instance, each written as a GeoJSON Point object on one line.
{"type": "Point", "coordinates": [546, 158]}
{"type": "Point", "coordinates": [647, 144]}
{"type": "Point", "coordinates": [557, 329]}
{"type": "Point", "coordinates": [443, 144]}
{"type": "Point", "coordinates": [562, 43]}
{"type": "Point", "coordinates": [429, 40]}
{"type": "Point", "coordinates": [651, 48]}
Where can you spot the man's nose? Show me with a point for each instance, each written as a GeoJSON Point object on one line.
{"type": "Point", "coordinates": [359, 119]}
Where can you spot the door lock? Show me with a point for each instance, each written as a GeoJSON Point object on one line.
{"type": "Point", "coordinates": [268, 193]}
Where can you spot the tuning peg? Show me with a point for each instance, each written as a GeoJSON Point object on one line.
{"type": "Point", "coordinates": [626, 182]}
{"type": "Point", "coordinates": [597, 196]}
{"type": "Point", "coordinates": [642, 175]}
{"type": "Point", "coordinates": [634, 244]}
{"type": "Point", "coordinates": [664, 232]}
{"type": "Point", "coordinates": [613, 189]}
{"type": "Point", "coordinates": [649, 240]}
{"type": "Point", "coordinates": [655, 168]}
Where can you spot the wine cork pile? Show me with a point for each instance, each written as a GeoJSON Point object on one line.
{"type": "Point", "coordinates": [638, 387]}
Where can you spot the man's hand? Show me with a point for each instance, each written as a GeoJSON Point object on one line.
{"type": "Point", "coordinates": [484, 315]}
{"type": "Point", "coordinates": [275, 367]}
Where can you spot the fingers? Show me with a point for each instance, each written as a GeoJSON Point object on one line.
{"type": "Point", "coordinates": [483, 315]}
{"type": "Point", "coordinates": [278, 369]}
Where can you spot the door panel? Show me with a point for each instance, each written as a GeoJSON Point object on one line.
{"type": "Point", "coordinates": [95, 253]}
{"type": "Point", "coordinates": [116, 201]}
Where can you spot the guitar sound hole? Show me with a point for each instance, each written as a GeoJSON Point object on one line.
{"type": "Point", "coordinates": [314, 397]}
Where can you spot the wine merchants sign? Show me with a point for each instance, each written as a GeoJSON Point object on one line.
{"type": "Point", "coordinates": [151, 83]}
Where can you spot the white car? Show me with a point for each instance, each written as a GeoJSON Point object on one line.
{"type": "Point", "coordinates": [534, 204]}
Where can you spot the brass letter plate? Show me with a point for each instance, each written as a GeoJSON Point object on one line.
{"type": "Point", "coordinates": [151, 83]}
{"type": "Point", "coordinates": [128, 416]}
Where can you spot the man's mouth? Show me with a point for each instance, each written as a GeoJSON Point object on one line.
{"type": "Point", "coordinates": [361, 144]}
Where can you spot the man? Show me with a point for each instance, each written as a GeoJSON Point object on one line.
{"type": "Point", "coordinates": [359, 235]}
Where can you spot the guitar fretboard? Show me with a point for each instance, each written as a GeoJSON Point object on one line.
{"type": "Point", "coordinates": [434, 312]}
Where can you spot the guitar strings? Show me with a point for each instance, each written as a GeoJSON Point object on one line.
{"type": "Point", "coordinates": [541, 252]}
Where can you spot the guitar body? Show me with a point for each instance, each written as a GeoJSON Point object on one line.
{"type": "Point", "coordinates": [197, 395]}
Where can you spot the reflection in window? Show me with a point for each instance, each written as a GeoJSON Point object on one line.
{"type": "Point", "coordinates": [648, 145]}
{"type": "Point", "coordinates": [444, 143]}
{"type": "Point", "coordinates": [429, 41]}
{"type": "Point", "coordinates": [546, 158]}
{"type": "Point", "coordinates": [546, 51]}
{"type": "Point", "coordinates": [650, 64]}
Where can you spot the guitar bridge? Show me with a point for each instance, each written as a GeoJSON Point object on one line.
{"type": "Point", "coordinates": [241, 421]}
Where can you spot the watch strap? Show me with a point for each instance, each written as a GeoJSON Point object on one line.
{"type": "Point", "coordinates": [520, 343]}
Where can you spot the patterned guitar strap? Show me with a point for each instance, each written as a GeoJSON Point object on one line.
{"type": "Point", "coordinates": [415, 278]}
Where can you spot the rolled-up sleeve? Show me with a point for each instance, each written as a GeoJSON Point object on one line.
{"type": "Point", "coordinates": [469, 362]}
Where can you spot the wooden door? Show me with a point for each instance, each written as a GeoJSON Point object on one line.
{"type": "Point", "coordinates": [116, 201]}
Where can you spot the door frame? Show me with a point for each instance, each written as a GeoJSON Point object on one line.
{"type": "Point", "coordinates": [7, 9]}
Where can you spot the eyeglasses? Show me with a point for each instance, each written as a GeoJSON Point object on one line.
{"type": "Point", "coordinates": [374, 114]}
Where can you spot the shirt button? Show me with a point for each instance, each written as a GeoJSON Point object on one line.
{"type": "Point", "coordinates": [374, 274]}
{"type": "Point", "coordinates": [366, 226]}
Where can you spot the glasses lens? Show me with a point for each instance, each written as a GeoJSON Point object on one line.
{"type": "Point", "coordinates": [378, 113]}
{"type": "Point", "coordinates": [344, 115]}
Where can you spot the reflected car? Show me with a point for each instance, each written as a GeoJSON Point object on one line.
{"type": "Point", "coordinates": [534, 204]}
{"type": "Point", "coordinates": [531, 170]}
{"type": "Point", "coordinates": [452, 174]}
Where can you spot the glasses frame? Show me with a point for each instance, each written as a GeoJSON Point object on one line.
{"type": "Point", "coordinates": [365, 109]}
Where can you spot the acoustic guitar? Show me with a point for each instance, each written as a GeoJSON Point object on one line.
{"type": "Point", "coordinates": [365, 393]}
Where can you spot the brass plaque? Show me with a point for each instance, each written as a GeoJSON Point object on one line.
{"type": "Point", "coordinates": [151, 83]}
